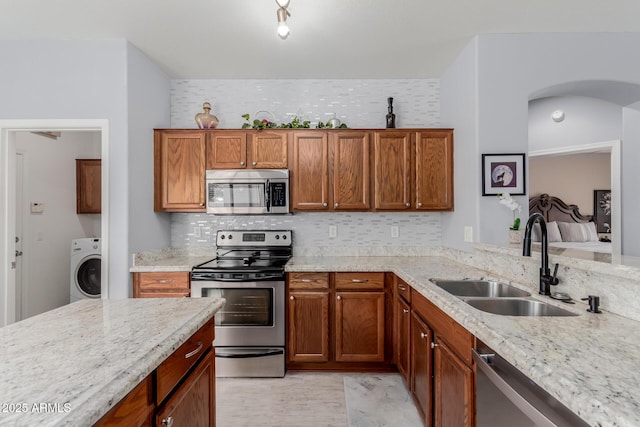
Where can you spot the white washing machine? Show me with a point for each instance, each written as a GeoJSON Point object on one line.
{"type": "Point", "coordinates": [86, 263]}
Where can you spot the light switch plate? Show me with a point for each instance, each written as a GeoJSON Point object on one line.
{"type": "Point", "coordinates": [468, 234]}
{"type": "Point", "coordinates": [333, 231]}
{"type": "Point", "coordinates": [395, 231]}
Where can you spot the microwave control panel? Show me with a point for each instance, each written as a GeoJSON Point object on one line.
{"type": "Point", "coordinates": [278, 194]}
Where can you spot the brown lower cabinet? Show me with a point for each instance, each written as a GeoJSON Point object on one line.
{"type": "Point", "coordinates": [339, 321]}
{"type": "Point", "coordinates": [180, 392]}
{"type": "Point", "coordinates": [166, 284]}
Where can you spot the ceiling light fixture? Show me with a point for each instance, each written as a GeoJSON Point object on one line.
{"type": "Point", "coordinates": [557, 116]}
{"type": "Point", "coordinates": [282, 14]}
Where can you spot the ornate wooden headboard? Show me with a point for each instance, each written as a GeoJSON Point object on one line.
{"type": "Point", "coordinates": [554, 209]}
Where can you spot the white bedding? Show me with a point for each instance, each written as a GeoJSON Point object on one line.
{"type": "Point", "coordinates": [597, 246]}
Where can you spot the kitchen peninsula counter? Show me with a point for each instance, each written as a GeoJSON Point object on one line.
{"type": "Point", "coordinates": [69, 366]}
{"type": "Point", "coordinates": [588, 362]}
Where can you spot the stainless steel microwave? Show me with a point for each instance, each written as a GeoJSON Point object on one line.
{"type": "Point", "coordinates": [247, 192]}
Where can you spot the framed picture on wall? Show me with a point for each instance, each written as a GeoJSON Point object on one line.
{"type": "Point", "coordinates": [503, 173]}
{"type": "Point", "coordinates": [602, 210]}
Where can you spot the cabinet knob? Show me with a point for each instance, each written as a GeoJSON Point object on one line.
{"type": "Point", "coordinates": [254, 163]}
{"type": "Point", "coordinates": [423, 335]}
{"type": "Point", "coordinates": [419, 204]}
{"type": "Point", "coordinates": [336, 205]}
{"type": "Point", "coordinates": [291, 298]}
{"type": "Point", "coordinates": [339, 297]}
{"type": "Point", "coordinates": [241, 163]}
{"type": "Point", "coordinates": [405, 311]}
{"type": "Point", "coordinates": [434, 345]}
{"type": "Point", "coordinates": [408, 204]}
{"type": "Point", "coordinates": [202, 204]}
{"type": "Point", "coordinates": [325, 204]}
{"type": "Point", "coordinates": [168, 422]}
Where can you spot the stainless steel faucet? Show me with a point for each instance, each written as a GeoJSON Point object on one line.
{"type": "Point", "coordinates": [546, 279]}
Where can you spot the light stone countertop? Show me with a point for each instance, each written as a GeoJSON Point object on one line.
{"type": "Point", "coordinates": [591, 362]}
{"type": "Point", "coordinates": [69, 366]}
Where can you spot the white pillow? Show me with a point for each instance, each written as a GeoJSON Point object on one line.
{"type": "Point", "coordinates": [578, 232]}
{"type": "Point", "coordinates": [553, 233]}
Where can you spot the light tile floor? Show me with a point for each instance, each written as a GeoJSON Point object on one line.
{"type": "Point", "coordinates": [315, 399]}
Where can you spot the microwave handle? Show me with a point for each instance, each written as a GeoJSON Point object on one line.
{"type": "Point", "coordinates": [268, 195]}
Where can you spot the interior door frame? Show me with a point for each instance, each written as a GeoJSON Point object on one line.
{"type": "Point", "coordinates": [8, 199]}
{"type": "Point", "coordinates": [613, 147]}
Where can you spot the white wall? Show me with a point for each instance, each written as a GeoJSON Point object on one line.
{"type": "Point", "coordinates": [359, 104]}
{"type": "Point", "coordinates": [511, 67]}
{"type": "Point", "coordinates": [50, 178]}
{"type": "Point", "coordinates": [630, 179]}
{"type": "Point", "coordinates": [88, 80]}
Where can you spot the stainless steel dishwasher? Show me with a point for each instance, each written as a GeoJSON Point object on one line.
{"type": "Point", "coordinates": [505, 397]}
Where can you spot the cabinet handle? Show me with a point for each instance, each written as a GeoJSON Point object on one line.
{"type": "Point", "coordinates": [308, 280]}
{"type": "Point", "coordinates": [359, 280]}
{"type": "Point", "coordinates": [254, 163]}
{"type": "Point", "coordinates": [402, 288]}
{"type": "Point", "coordinates": [339, 297]}
{"type": "Point", "coordinates": [405, 311]}
{"type": "Point", "coordinates": [423, 335]}
{"type": "Point", "coordinates": [408, 204]}
{"type": "Point", "coordinates": [168, 422]}
{"type": "Point", "coordinates": [194, 352]}
{"type": "Point", "coordinates": [164, 281]}
{"type": "Point", "coordinates": [434, 345]}
{"type": "Point", "coordinates": [325, 204]}
{"type": "Point", "coordinates": [291, 298]}
{"type": "Point", "coordinates": [336, 205]}
{"type": "Point", "coordinates": [241, 163]}
{"type": "Point", "coordinates": [419, 204]}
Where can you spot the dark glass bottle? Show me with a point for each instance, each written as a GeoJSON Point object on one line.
{"type": "Point", "coordinates": [391, 118]}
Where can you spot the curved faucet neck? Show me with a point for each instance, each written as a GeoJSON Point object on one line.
{"type": "Point", "coordinates": [526, 247]}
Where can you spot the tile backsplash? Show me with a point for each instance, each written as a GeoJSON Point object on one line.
{"type": "Point", "coordinates": [359, 104]}
{"type": "Point", "coordinates": [357, 233]}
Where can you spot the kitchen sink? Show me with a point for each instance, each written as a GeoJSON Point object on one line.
{"type": "Point", "coordinates": [517, 307]}
{"type": "Point", "coordinates": [480, 288]}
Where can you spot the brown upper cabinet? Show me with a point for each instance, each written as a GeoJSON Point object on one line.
{"type": "Point", "coordinates": [88, 186]}
{"type": "Point", "coordinates": [330, 171]}
{"type": "Point", "coordinates": [245, 150]}
{"type": "Point", "coordinates": [179, 165]}
{"type": "Point", "coordinates": [413, 170]}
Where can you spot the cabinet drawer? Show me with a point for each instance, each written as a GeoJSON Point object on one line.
{"type": "Point", "coordinates": [159, 284]}
{"type": "Point", "coordinates": [308, 280]}
{"type": "Point", "coordinates": [403, 289]}
{"type": "Point", "coordinates": [459, 339]}
{"type": "Point", "coordinates": [359, 280]}
{"type": "Point", "coordinates": [133, 409]}
{"type": "Point", "coordinates": [176, 366]}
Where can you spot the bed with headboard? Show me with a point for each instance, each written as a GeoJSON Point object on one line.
{"type": "Point", "coordinates": [566, 226]}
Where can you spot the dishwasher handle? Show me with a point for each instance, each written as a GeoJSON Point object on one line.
{"type": "Point", "coordinates": [484, 362]}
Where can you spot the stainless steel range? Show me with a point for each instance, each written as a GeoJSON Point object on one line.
{"type": "Point", "coordinates": [248, 272]}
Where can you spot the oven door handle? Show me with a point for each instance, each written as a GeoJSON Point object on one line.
{"type": "Point", "coordinates": [246, 353]}
{"type": "Point", "coordinates": [197, 278]}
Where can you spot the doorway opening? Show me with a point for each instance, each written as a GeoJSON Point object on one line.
{"type": "Point", "coordinates": [13, 186]}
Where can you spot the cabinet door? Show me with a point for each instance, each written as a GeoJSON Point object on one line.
{"type": "Point", "coordinates": [310, 171]}
{"type": "Point", "coordinates": [226, 150]}
{"type": "Point", "coordinates": [453, 389]}
{"type": "Point", "coordinates": [434, 170]}
{"type": "Point", "coordinates": [403, 338]}
{"type": "Point", "coordinates": [88, 186]}
{"type": "Point", "coordinates": [308, 329]}
{"type": "Point", "coordinates": [269, 150]}
{"type": "Point", "coordinates": [360, 326]}
{"type": "Point", "coordinates": [179, 171]}
{"type": "Point", "coordinates": [193, 403]}
{"type": "Point", "coordinates": [350, 171]}
{"type": "Point", "coordinates": [392, 170]}
{"type": "Point", "coordinates": [421, 367]}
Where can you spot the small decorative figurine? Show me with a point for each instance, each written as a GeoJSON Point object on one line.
{"type": "Point", "coordinates": [206, 120]}
{"type": "Point", "coordinates": [391, 118]}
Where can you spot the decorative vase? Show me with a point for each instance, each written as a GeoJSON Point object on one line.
{"type": "Point", "coordinates": [391, 118]}
{"type": "Point", "coordinates": [515, 237]}
{"type": "Point", "coordinates": [206, 120]}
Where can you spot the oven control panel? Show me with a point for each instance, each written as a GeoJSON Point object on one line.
{"type": "Point", "coordinates": [253, 238]}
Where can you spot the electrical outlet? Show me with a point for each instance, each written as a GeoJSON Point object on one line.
{"type": "Point", "coordinates": [468, 234]}
{"type": "Point", "coordinates": [395, 232]}
{"type": "Point", "coordinates": [333, 231]}
{"type": "Point", "coordinates": [197, 231]}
